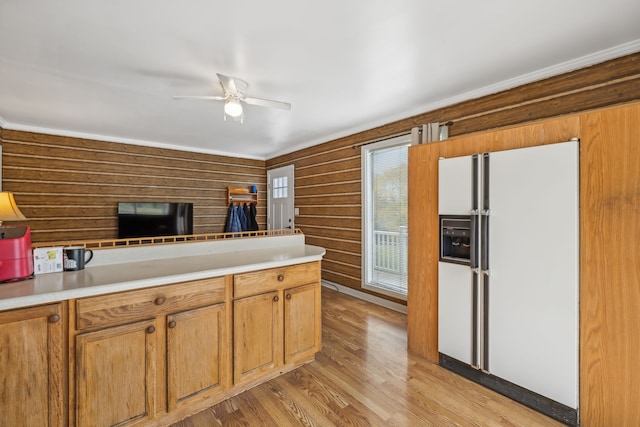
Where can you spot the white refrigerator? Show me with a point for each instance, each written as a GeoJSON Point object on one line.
{"type": "Point", "coordinates": [508, 298]}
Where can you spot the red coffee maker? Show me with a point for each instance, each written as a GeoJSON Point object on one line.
{"type": "Point", "coordinates": [16, 255]}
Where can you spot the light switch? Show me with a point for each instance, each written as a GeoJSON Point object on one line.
{"type": "Point", "coordinates": [296, 211]}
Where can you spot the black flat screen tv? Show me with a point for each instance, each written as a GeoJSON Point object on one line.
{"type": "Point", "coordinates": [149, 219]}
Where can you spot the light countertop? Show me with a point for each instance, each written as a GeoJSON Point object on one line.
{"type": "Point", "coordinates": [123, 276]}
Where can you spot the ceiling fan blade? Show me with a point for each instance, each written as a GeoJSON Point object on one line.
{"type": "Point", "coordinates": [228, 84]}
{"type": "Point", "coordinates": [268, 103]}
{"type": "Point", "coordinates": [203, 97]}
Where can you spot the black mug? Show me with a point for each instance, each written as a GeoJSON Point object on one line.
{"type": "Point", "coordinates": [75, 257]}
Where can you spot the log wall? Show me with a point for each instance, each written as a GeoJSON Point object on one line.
{"type": "Point", "coordinates": [69, 188]}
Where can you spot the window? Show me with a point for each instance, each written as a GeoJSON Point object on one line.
{"type": "Point", "coordinates": [384, 216]}
{"type": "Point", "coordinates": [280, 187]}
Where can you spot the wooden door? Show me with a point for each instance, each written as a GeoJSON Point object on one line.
{"type": "Point", "coordinates": [31, 367]}
{"type": "Point", "coordinates": [115, 375]}
{"type": "Point", "coordinates": [194, 354]}
{"type": "Point", "coordinates": [302, 322]}
{"type": "Point", "coordinates": [257, 335]}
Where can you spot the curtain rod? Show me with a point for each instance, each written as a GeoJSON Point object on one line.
{"type": "Point", "coordinates": [382, 138]}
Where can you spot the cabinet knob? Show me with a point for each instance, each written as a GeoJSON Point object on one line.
{"type": "Point", "coordinates": [159, 301]}
{"type": "Point", "coordinates": [288, 296]}
{"type": "Point", "coordinates": [54, 318]}
{"type": "Point", "coordinates": [172, 324]}
{"type": "Point", "coordinates": [280, 277]}
{"type": "Point", "coordinates": [276, 299]}
{"type": "Point", "coordinates": [151, 329]}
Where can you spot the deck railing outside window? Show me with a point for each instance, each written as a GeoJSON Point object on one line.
{"type": "Point", "coordinates": [390, 259]}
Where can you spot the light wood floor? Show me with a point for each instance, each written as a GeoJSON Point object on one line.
{"type": "Point", "coordinates": [364, 376]}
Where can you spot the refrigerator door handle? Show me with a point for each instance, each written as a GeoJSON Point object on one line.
{"type": "Point", "coordinates": [475, 220]}
{"type": "Point", "coordinates": [484, 232]}
{"type": "Point", "coordinates": [475, 319]}
{"type": "Point", "coordinates": [484, 262]}
{"type": "Point", "coordinates": [484, 241]}
{"type": "Point", "coordinates": [473, 241]}
{"type": "Point", "coordinates": [485, 322]}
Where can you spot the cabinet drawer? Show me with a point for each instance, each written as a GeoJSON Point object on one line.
{"type": "Point", "coordinates": [257, 282]}
{"type": "Point", "coordinates": [105, 310]}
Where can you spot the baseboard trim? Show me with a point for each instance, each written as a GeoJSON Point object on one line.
{"type": "Point", "coordinates": [366, 297]}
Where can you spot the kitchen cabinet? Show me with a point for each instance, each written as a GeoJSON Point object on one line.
{"type": "Point", "coordinates": [277, 319]}
{"type": "Point", "coordinates": [106, 348]}
{"type": "Point", "coordinates": [115, 375]}
{"type": "Point", "coordinates": [32, 367]}
{"type": "Point", "coordinates": [257, 335]}
{"type": "Point", "coordinates": [302, 320]}
{"type": "Point", "coordinates": [126, 339]}
{"type": "Point", "coordinates": [195, 354]}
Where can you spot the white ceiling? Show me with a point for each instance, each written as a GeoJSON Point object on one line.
{"type": "Point", "coordinates": [107, 69]}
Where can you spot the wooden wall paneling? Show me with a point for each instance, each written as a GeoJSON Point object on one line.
{"type": "Point", "coordinates": [566, 93]}
{"type": "Point", "coordinates": [327, 194]}
{"type": "Point", "coordinates": [69, 187]}
{"type": "Point", "coordinates": [348, 234]}
{"type": "Point", "coordinates": [597, 97]}
{"type": "Point", "coordinates": [341, 279]}
{"type": "Point", "coordinates": [548, 131]}
{"type": "Point", "coordinates": [338, 245]}
{"type": "Point", "coordinates": [422, 301]}
{"type": "Point", "coordinates": [609, 268]}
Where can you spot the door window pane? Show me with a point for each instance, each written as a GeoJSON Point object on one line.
{"type": "Point", "coordinates": [280, 188]}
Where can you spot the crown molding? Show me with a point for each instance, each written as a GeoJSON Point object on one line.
{"type": "Point", "coordinates": [541, 74]}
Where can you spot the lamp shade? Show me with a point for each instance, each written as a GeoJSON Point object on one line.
{"type": "Point", "coordinates": [8, 209]}
{"type": "Point", "coordinates": [233, 108]}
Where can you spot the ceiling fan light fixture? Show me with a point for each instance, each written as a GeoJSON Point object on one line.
{"type": "Point", "coordinates": [233, 108]}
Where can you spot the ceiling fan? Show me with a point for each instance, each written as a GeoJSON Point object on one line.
{"type": "Point", "coordinates": [234, 94]}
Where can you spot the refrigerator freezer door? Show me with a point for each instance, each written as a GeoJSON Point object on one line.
{"type": "Point", "coordinates": [455, 307]}
{"type": "Point", "coordinates": [533, 294]}
{"type": "Point", "coordinates": [454, 186]}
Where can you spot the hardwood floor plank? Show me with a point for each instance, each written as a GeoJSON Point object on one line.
{"type": "Point", "coordinates": [364, 376]}
{"type": "Point", "coordinates": [323, 411]}
{"type": "Point", "coordinates": [281, 407]}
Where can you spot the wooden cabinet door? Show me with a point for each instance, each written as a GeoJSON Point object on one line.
{"type": "Point", "coordinates": [302, 322]}
{"type": "Point", "coordinates": [257, 335]}
{"type": "Point", "coordinates": [115, 375]}
{"type": "Point", "coordinates": [194, 354]}
{"type": "Point", "coordinates": [31, 367]}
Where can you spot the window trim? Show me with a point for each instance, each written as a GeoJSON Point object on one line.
{"type": "Point", "coordinates": [366, 217]}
